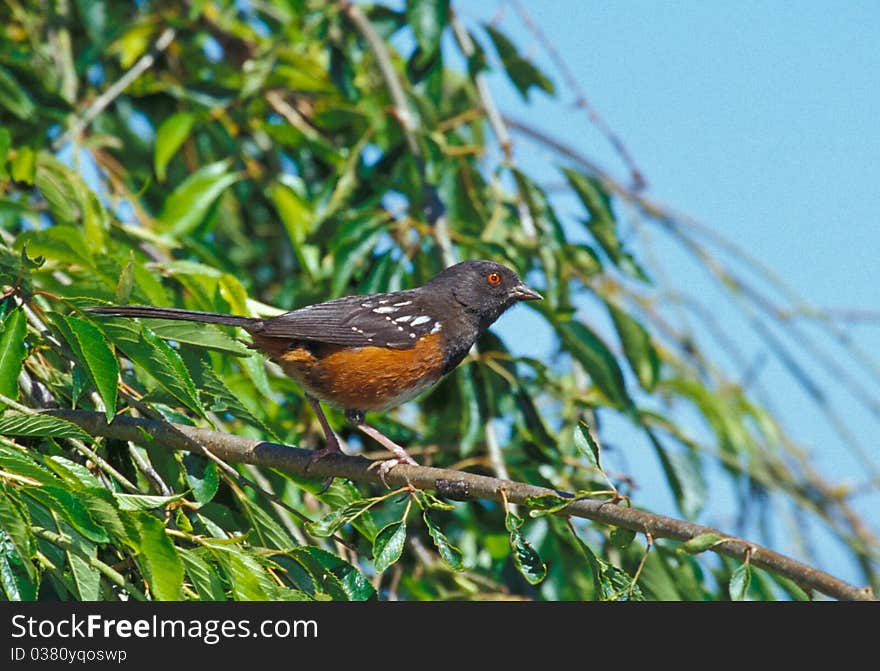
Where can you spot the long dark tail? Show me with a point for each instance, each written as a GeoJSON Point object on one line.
{"type": "Point", "coordinates": [173, 313]}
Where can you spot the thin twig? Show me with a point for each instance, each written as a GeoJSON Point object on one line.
{"type": "Point", "coordinates": [581, 101]}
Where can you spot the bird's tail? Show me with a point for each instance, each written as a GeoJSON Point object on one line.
{"type": "Point", "coordinates": [173, 313]}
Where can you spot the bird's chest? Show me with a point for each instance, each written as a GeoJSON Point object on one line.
{"type": "Point", "coordinates": [365, 378]}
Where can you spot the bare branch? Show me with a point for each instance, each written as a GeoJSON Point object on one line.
{"type": "Point", "coordinates": [457, 485]}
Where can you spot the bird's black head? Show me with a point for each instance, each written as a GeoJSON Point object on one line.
{"type": "Point", "coordinates": [484, 288]}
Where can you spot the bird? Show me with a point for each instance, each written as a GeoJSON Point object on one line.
{"type": "Point", "coordinates": [371, 352]}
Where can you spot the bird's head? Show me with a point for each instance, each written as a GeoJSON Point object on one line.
{"type": "Point", "coordinates": [484, 288]}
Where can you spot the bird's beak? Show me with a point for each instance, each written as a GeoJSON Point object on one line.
{"type": "Point", "coordinates": [523, 293]}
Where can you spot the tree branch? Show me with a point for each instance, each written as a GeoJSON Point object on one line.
{"type": "Point", "coordinates": [457, 485]}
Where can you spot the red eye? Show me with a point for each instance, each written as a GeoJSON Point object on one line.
{"type": "Point", "coordinates": [494, 279]}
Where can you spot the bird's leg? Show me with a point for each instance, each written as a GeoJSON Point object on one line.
{"type": "Point", "coordinates": [332, 443]}
{"type": "Point", "coordinates": [356, 417]}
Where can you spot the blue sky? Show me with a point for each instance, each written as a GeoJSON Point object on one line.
{"type": "Point", "coordinates": [759, 119]}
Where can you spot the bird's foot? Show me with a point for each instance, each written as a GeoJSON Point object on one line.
{"type": "Point", "coordinates": [332, 447]}
{"type": "Point", "coordinates": [384, 466]}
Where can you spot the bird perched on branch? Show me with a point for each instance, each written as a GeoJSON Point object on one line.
{"type": "Point", "coordinates": [372, 352]}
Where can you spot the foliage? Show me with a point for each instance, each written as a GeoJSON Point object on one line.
{"type": "Point", "coordinates": [261, 159]}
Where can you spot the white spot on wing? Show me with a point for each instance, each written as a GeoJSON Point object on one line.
{"type": "Point", "coordinates": [403, 303]}
{"type": "Point", "coordinates": [405, 318]}
{"type": "Point", "coordinates": [385, 310]}
{"type": "Point", "coordinates": [437, 327]}
{"type": "Point", "coordinates": [420, 320]}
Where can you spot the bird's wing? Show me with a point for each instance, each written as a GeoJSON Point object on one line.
{"type": "Point", "coordinates": [393, 320]}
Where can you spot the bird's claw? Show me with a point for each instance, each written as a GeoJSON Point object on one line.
{"type": "Point", "coordinates": [317, 455]}
{"type": "Point", "coordinates": [384, 467]}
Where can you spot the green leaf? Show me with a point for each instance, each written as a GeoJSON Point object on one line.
{"type": "Point", "coordinates": [17, 578]}
{"type": "Point", "coordinates": [586, 445]}
{"type": "Point", "coordinates": [86, 577]}
{"type": "Point", "coordinates": [637, 345]}
{"type": "Point", "coordinates": [44, 426]}
{"type": "Point", "coordinates": [341, 493]}
{"type": "Point", "coordinates": [472, 426]}
{"type": "Point", "coordinates": [202, 475]}
{"type": "Point", "coordinates": [167, 367]}
{"type": "Point", "coordinates": [594, 355]}
{"type": "Point", "coordinates": [126, 282]}
{"type": "Point", "coordinates": [202, 576]}
{"type": "Point", "coordinates": [169, 137]}
{"type": "Point", "coordinates": [104, 510]}
{"type": "Point", "coordinates": [98, 360]}
{"type": "Point", "coordinates": [63, 243]}
{"type": "Point", "coordinates": [701, 543]}
{"type": "Point", "coordinates": [295, 211]}
{"type": "Point", "coordinates": [24, 165]}
{"type": "Point", "coordinates": [790, 587]}
{"type": "Point", "coordinates": [22, 463]}
{"type": "Point", "coordinates": [388, 545]}
{"type": "Point", "coordinates": [5, 144]}
{"type": "Point", "coordinates": [62, 188]}
{"type": "Point", "coordinates": [450, 554]}
{"type": "Point", "coordinates": [157, 358]}
{"type": "Point", "coordinates": [144, 501]}
{"type": "Point", "coordinates": [523, 74]}
{"type": "Point", "coordinates": [246, 575]}
{"type": "Point", "coordinates": [331, 572]}
{"type": "Point", "coordinates": [427, 18]}
{"type": "Point", "coordinates": [75, 474]}
{"type": "Point", "coordinates": [271, 534]}
{"type": "Point", "coordinates": [210, 384]}
{"type": "Point", "coordinates": [355, 241]}
{"type": "Point", "coordinates": [609, 582]}
{"type": "Point", "coordinates": [547, 504]}
{"type": "Point", "coordinates": [71, 508]}
{"type": "Point", "coordinates": [335, 519]}
{"type": "Point", "coordinates": [684, 474]}
{"type": "Point", "coordinates": [525, 558]}
{"type": "Point", "coordinates": [622, 538]}
{"type": "Point", "coordinates": [740, 581]}
{"type": "Point", "coordinates": [427, 500]}
{"type": "Point", "coordinates": [14, 522]}
{"type": "Point", "coordinates": [201, 335]}
{"type": "Point", "coordinates": [14, 97]}
{"type": "Point", "coordinates": [12, 352]}
{"type": "Point", "coordinates": [158, 558]}
{"type": "Point", "coordinates": [190, 202]}
{"type": "Point", "coordinates": [95, 19]}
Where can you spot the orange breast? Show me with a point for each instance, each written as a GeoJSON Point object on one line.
{"type": "Point", "coordinates": [361, 378]}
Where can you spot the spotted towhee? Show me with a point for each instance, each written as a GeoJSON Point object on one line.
{"type": "Point", "coordinates": [373, 352]}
